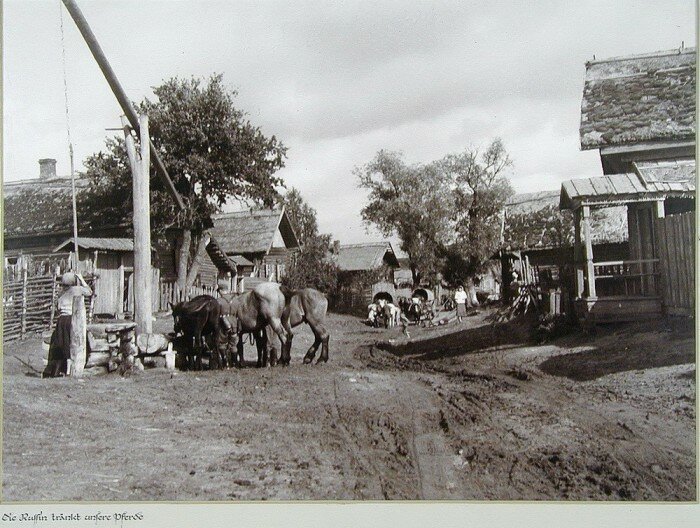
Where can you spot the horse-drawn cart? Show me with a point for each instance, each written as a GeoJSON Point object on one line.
{"type": "Point", "coordinates": [420, 308]}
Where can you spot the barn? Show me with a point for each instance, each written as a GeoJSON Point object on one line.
{"type": "Point", "coordinates": [639, 112]}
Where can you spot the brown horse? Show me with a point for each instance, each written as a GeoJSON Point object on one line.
{"type": "Point", "coordinates": [306, 306]}
{"type": "Point", "coordinates": [252, 312]}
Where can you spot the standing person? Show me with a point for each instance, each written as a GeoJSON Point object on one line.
{"type": "Point", "coordinates": [59, 349]}
{"type": "Point", "coordinates": [460, 301]}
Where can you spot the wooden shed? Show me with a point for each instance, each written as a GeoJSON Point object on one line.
{"type": "Point", "coordinates": [111, 260]}
{"type": "Point", "coordinates": [639, 111]}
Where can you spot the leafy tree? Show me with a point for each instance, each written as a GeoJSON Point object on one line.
{"type": "Point", "coordinates": [310, 266]}
{"type": "Point", "coordinates": [213, 154]}
{"type": "Point", "coordinates": [413, 202]}
{"type": "Point", "coordinates": [301, 215]}
{"type": "Point", "coordinates": [481, 191]}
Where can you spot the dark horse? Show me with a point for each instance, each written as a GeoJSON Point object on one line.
{"type": "Point", "coordinates": [196, 319]}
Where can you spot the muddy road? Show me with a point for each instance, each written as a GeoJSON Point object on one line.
{"type": "Point", "coordinates": [458, 412]}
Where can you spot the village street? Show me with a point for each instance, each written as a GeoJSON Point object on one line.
{"type": "Point", "coordinates": [470, 412]}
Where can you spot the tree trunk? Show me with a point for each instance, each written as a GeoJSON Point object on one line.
{"type": "Point", "coordinates": [182, 256]}
{"type": "Point", "coordinates": [194, 269]}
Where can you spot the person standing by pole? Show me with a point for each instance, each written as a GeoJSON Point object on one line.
{"type": "Point", "coordinates": [59, 349]}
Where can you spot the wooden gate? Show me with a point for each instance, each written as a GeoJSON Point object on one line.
{"type": "Point", "coordinates": [675, 237]}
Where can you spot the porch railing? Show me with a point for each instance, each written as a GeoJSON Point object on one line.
{"type": "Point", "coordinates": [627, 278]}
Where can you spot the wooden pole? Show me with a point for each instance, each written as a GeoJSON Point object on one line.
{"type": "Point", "coordinates": [142, 236]}
{"type": "Point", "coordinates": [119, 93]}
{"type": "Point", "coordinates": [78, 337]}
{"type": "Point", "coordinates": [588, 247]}
{"type": "Point", "coordinates": [23, 328]}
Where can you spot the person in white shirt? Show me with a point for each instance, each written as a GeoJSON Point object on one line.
{"type": "Point", "coordinates": [461, 300]}
{"type": "Point", "coordinates": [59, 349]}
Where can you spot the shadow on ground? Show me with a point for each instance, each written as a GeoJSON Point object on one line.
{"type": "Point", "coordinates": [468, 341]}
{"type": "Point", "coordinates": [629, 348]}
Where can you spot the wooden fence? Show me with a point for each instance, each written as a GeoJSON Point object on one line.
{"type": "Point", "coordinates": [29, 304]}
{"type": "Point", "coordinates": [675, 236]}
{"type": "Point", "coordinates": [169, 293]}
{"type": "Point", "coordinates": [351, 302]}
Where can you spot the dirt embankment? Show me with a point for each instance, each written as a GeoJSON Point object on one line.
{"type": "Point", "coordinates": [471, 412]}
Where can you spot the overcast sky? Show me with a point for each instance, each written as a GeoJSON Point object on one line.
{"type": "Point", "coordinates": [336, 81]}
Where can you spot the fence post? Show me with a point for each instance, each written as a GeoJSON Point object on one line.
{"type": "Point", "coordinates": [23, 329]}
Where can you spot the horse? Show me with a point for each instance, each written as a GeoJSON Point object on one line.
{"type": "Point", "coordinates": [196, 319]}
{"type": "Point", "coordinates": [306, 306]}
{"type": "Point", "coordinates": [253, 311]}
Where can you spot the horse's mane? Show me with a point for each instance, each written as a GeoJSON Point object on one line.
{"type": "Point", "coordinates": [196, 304]}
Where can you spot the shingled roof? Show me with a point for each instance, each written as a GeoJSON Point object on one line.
{"type": "Point", "coordinates": [253, 231]}
{"type": "Point", "coordinates": [364, 257]}
{"type": "Point", "coordinates": [620, 189]}
{"type": "Point", "coordinates": [639, 98]}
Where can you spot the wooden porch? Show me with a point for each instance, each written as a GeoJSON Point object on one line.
{"type": "Point", "coordinates": [643, 285]}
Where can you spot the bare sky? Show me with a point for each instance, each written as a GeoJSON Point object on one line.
{"type": "Point", "coordinates": [336, 81]}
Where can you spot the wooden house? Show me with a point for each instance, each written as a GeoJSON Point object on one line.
{"type": "Point", "coordinates": [38, 214]}
{"type": "Point", "coordinates": [259, 241]}
{"type": "Point", "coordinates": [375, 259]}
{"type": "Point", "coordinates": [639, 112]}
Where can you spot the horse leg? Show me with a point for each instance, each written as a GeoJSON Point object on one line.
{"type": "Point", "coordinates": [239, 350]}
{"type": "Point", "coordinates": [285, 343]}
{"type": "Point", "coordinates": [215, 359]}
{"type": "Point", "coordinates": [261, 346]}
{"type": "Point", "coordinates": [270, 347]}
{"type": "Point", "coordinates": [198, 349]}
{"type": "Point", "coordinates": [325, 337]}
{"type": "Point", "coordinates": [311, 353]}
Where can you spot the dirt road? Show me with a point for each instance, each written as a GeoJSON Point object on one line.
{"type": "Point", "coordinates": [471, 412]}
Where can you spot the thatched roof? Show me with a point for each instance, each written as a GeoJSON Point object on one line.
{"type": "Point", "coordinates": [104, 244]}
{"type": "Point", "coordinates": [364, 257]}
{"type": "Point", "coordinates": [35, 207]}
{"type": "Point", "coordinates": [639, 98]}
{"type": "Point", "coordinates": [253, 231]}
{"type": "Point", "coordinates": [534, 221]}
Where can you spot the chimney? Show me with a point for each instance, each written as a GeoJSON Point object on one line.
{"type": "Point", "coordinates": [47, 169]}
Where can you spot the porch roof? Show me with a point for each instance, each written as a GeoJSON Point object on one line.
{"type": "Point", "coordinates": [618, 189]}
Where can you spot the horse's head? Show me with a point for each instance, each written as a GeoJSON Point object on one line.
{"type": "Point", "coordinates": [177, 317]}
